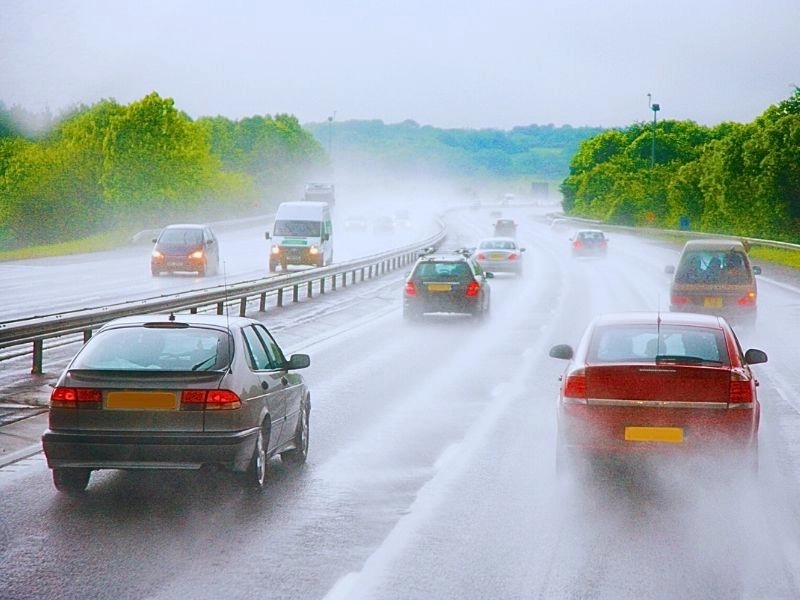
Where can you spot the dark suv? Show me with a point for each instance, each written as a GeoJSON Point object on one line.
{"type": "Point", "coordinates": [446, 283]}
{"type": "Point", "coordinates": [716, 277]}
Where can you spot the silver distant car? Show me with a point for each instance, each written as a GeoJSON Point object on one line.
{"type": "Point", "coordinates": [499, 254]}
{"type": "Point", "coordinates": [177, 392]}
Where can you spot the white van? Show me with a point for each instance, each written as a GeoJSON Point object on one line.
{"type": "Point", "coordinates": [301, 235]}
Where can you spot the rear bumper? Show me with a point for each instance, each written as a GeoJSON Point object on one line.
{"type": "Point", "coordinates": [132, 450]}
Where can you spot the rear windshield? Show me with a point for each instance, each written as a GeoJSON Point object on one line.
{"type": "Point", "coordinates": [497, 245]}
{"type": "Point", "coordinates": [713, 266]}
{"type": "Point", "coordinates": [644, 343]}
{"type": "Point", "coordinates": [143, 348]}
{"type": "Point", "coordinates": [299, 228]}
{"type": "Point", "coordinates": [443, 271]}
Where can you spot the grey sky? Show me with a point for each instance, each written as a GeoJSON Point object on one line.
{"type": "Point", "coordinates": [446, 63]}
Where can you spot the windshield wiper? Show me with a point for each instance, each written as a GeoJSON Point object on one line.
{"type": "Point", "coordinates": [203, 362]}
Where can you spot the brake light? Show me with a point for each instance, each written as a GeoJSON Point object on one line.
{"type": "Point", "coordinates": [677, 299]}
{"type": "Point", "coordinates": [66, 397]}
{"type": "Point", "coordinates": [473, 288]}
{"type": "Point", "coordinates": [575, 388]}
{"type": "Point", "coordinates": [749, 299]}
{"type": "Point", "coordinates": [512, 257]}
{"type": "Point", "coordinates": [481, 256]}
{"type": "Point", "coordinates": [741, 390]}
{"type": "Point", "coordinates": [209, 400]}
{"type": "Point", "coordinates": [576, 244]}
{"type": "Point", "coordinates": [411, 289]}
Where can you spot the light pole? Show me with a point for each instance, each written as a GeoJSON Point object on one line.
{"type": "Point", "coordinates": [655, 108]}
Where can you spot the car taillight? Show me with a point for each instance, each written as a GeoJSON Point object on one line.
{"type": "Point", "coordinates": [576, 244]}
{"type": "Point", "coordinates": [481, 256]}
{"type": "Point", "coordinates": [741, 390]}
{"type": "Point", "coordinates": [512, 256]}
{"type": "Point", "coordinates": [575, 388]}
{"type": "Point", "coordinates": [411, 289]}
{"type": "Point", "coordinates": [209, 400]}
{"type": "Point", "coordinates": [473, 288]}
{"type": "Point", "coordinates": [749, 299]}
{"type": "Point", "coordinates": [66, 397]}
{"type": "Point", "coordinates": [677, 299]}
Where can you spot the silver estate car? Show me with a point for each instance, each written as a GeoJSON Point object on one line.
{"type": "Point", "coordinates": [499, 254]}
{"type": "Point", "coordinates": [177, 392]}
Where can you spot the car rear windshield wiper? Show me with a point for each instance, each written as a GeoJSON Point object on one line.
{"type": "Point", "coordinates": [680, 358]}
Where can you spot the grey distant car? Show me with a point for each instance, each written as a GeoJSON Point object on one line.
{"type": "Point", "coordinates": [178, 392]}
{"type": "Point", "coordinates": [499, 254]}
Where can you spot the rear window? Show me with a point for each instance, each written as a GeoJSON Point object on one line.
{"type": "Point", "coordinates": [456, 271]}
{"type": "Point", "coordinates": [497, 245]}
{"type": "Point", "coordinates": [144, 348]}
{"type": "Point", "coordinates": [714, 267]}
{"type": "Point", "coordinates": [644, 343]}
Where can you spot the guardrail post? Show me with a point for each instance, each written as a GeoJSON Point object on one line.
{"type": "Point", "coordinates": [220, 308]}
{"type": "Point", "coordinates": [310, 290]}
{"type": "Point", "coordinates": [333, 282]}
{"type": "Point", "coordinates": [262, 302]}
{"type": "Point", "coordinates": [280, 297]}
{"type": "Point", "coordinates": [321, 285]}
{"type": "Point", "coordinates": [38, 351]}
{"type": "Point", "coordinates": [295, 292]}
{"type": "Point", "coordinates": [243, 306]}
{"type": "Point", "coordinates": [193, 310]}
{"type": "Point", "coordinates": [87, 335]}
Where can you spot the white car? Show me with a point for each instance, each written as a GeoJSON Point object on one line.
{"type": "Point", "coordinates": [499, 254]}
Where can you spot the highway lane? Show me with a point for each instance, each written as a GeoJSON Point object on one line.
{"type": "Point", "coordinates": [431, 468]}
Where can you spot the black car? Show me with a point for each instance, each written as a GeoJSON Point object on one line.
{"type": "Point", "coordinates": [447, 283]}
{"type": "Point", "coordinates": [185, 248]}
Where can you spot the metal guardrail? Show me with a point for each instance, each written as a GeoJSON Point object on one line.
{"type": "Point", "coordinates": [35, 330]}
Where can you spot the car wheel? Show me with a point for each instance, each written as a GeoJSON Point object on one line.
{"type": "Point", "coordinates": [297, 456]}
{"type": "Point", "coordinates": [256, 475]}
{"type": "Point", "coordinates": [71, 480]}
{"type": "Point", "coordinates": [155, 272]}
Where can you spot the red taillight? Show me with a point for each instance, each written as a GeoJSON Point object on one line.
{"type": "Point", "coordinates": [575, 387]}
{"type": "Point", "coordinates": [411, 289]}
{"type": "Point", "coordinates": [677, 300]}
{"type": "Point", "coordinates": [512, 257]}
{"type": "Point", "coordinates": [209, 400]}
{"type": "Point", "coordinates": [749, 299]}
{"type": "Point", "coordinates": [473, 288]}
{"type": "Point", "coordinates": [577, 245]}
{"type": "Point", "coordinates": [741, 389]}
{"type": "Point", "coordinates": [65, 397]}
{"type": "Point", "coordinates": [481, 256]}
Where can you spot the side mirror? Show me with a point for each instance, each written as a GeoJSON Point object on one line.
{"type": "Point", "coordinates": [266, 235]}
{"type": "Point", "coordinates": [522, 249]}
{"type": "Point", "coordinates": [669, 269]}
{"type": "Point", "coordinates": [754, 356]}
{"type": "Point", "coordinates": [325, 237]}
{"type": "Point", "coordinates": [155, 240]}
{"type": "Point", "coordinates": [489, 275]}
{"type": "Point", "coordinates": [756, 270]}
{"type": "Point", "coordinates": [298, 361]}
{"type": "Point", "coordinates": [562, 351]}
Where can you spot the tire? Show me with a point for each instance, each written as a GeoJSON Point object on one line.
{"type": "Point", "coordinates": [272, 267]}
{"type": "Point", "coordinates": [298, 455]}
{"type": "Point", "coordinates": [255, 477]}
{"type": "Point", "coordinates": [71, 480]}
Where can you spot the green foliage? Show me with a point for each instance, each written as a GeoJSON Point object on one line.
{"type": "Point", "coordinates": [732, 178]}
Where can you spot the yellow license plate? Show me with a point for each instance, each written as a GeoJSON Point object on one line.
{"type": "Point", "coordinates": [673, 435]}
{"type": "Point", "coordinates": [497, 256]}
{"type": "Point", "coordinates": [438, 287]}
{"type": "Point", "coordinates": [142, 401]}
{"type": "Point", "coordinates": [712, 302]}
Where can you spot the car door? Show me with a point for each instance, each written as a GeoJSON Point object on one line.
{"type": "Point", "coordinates": [292, 383]}
{"type": "Point", "coordinates": [273, 383]}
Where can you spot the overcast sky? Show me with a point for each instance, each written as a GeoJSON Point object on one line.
{"type": "Point", "coordinates": [446, 63]}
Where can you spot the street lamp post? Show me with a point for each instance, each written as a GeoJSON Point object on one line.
{"type": "Point", "coordinates": [655, 108]}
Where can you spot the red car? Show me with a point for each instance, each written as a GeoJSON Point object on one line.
{"type": "Point", "coordinates": [657, 382]}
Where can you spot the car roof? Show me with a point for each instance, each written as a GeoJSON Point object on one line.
{"type": "Point", "coordinates": [653, 317]}
{"type": "Point", "coordinates": [223, 321]}
{"type": "Point", "coordinates": [442, 257]}
{"type": "Point", "coordinates": [498, 238]}
{"type": "Point", "coordinates": [590, 231]}
{"type": "Point", "coordinates": [186, 226]}
{"type": "Point", "coordinates": [714, 244]}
